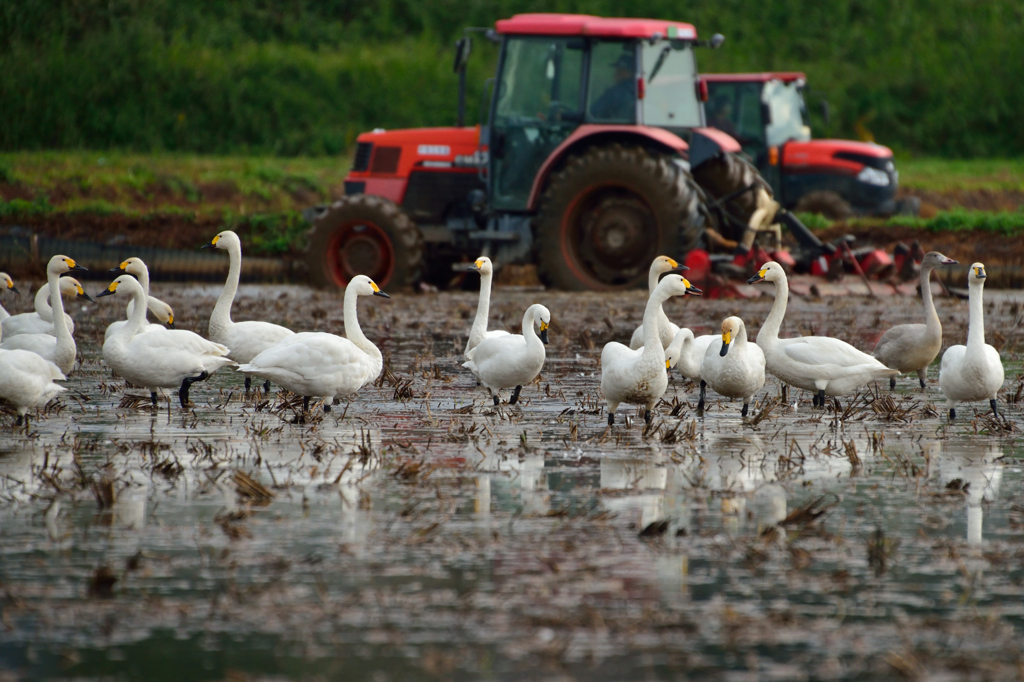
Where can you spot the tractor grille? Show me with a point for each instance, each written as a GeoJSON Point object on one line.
{"type": "Point", "coordinates": [385, 160]}
{"type": "Point", "coordinates": [363, 151]}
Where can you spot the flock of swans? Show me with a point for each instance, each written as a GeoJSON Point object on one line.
{"type": "Point", "coordinates": [38, 349]}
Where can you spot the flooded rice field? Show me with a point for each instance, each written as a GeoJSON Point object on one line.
{"type": "Point", "coordinates": [417, 532]}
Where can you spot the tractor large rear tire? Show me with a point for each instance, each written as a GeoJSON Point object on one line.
{"type": "Point", "coordinates": [721, 176]}
{"type": "Point", "coordinates": [368, 235]}
{"type": "Point", "coordinates": [611, 211]}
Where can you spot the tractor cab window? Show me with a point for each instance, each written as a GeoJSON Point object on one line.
{"type": "Point", "coordinates": [670, 80]}
{"type": "Point", "coordinates": [788, 113]}
{"type": "Point", "coordinates": [537, 105]}
{"type": "Point", "coordinates": [735, 109]}
{"type": "Point", "coordinates": [612, 86]}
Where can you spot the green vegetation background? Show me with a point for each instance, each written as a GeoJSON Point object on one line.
{"type": "Point", "coordinates": [941, 78]}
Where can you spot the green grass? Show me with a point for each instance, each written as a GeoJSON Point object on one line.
{"type": "Point", "coordinates": [77, 179]}
{"type": "Point", "coordinates": [1006, 223]}
{"type": "Point", "coordinates": [945, 175]}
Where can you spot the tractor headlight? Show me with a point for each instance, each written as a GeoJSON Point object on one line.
{"type": "Point", "coordinates": [873, 176]}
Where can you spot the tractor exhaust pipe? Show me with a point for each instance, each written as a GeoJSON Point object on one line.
{"type": "Point", "coordinates": [463, 46]}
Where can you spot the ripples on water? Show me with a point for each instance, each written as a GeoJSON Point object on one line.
{"type": "Point", "coordinates": [412, 540]}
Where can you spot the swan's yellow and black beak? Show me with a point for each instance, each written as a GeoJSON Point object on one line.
{"type": "Point", "coordinates": [759, 277]}
{"type": "Point", "coordinates": [726, 340]}
{"type": "Point", "coordinates": [690, 289]}
{"type": "Point", "coordinates": [475, 267]}
{"type": "Point", "coordinates": [543, 332]}
{"type": "Point", "coordinates": [82, 294]}
{"type": "Point", "coordinates": [11, 287]}
{"type": "Point", "coordinates": [677, 266]}
{"type": "Point", "coordinates": [120, 268]}
{"type": "Point", "coordinates": [377, 291]}
{"type": "Point", "coordinates": [73, 266]}
{"type": "Point", "coordinates": [109, 291]}
{"type": "Point", "coordinates": [170, 321]}
{"type": "Point", "coordinates": [212, 244]}
{"type": "Point", "coordinates": [980, 273]}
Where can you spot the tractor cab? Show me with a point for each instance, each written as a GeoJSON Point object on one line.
{"type": "Point", "coordinates": [556, 76]}
{"type": "Point", "coordinates": [766, 113]}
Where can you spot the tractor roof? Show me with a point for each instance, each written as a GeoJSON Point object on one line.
{"type": "Point", "coordinates": [586, 25]}
{"type": "Point", "coordinates": [764, 77]}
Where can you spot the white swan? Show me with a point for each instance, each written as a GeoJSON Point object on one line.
{"type": "Point", "coordinates": [26, 380]}
{"type": "Point", "coordinates": [638, 376]}
{"type": "Point", "coordinates": [245, 339]}
{"type": "Point", "coordinates": [7, 283]}
{"type": "Point", "coordinates": [479, 330]}
{"type": "Point", "coordinates": [513, 360]}
{"type": "Point", "coordinates": [820, 364]}
{"type": "Point", "coordinates": [161, 358]}
{"type": "Point", "coordinates": [972, 372]}
{"type": "Point", "coordinates": [733, 367]}
{"type": "Point", "coordinates": [317, 364]}
{"type": "Point", "coordinates": [41, 321]}
{"type": "Point", "coordinates": [912, 347]}
{"type": "Point", "coordinates": [666, 328]}
{"type": "Point", "coordinates": [60, 350]}
{"type": "Point", "coordinates": [163, 312]}
{"type": "Point", "coordinates": [692, 355]}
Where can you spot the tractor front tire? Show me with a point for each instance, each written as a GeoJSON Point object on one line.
{"type": "Point", "coordinates": [826, 203]}
{"type": "Point", "coordinates": [609, 212]}
{"type": "Point", "coordinates": [368, 235]}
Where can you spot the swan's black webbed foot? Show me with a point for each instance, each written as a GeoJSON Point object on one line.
{"type": "Point", "coordinates": [494, 397]}
{"type": "Point", "coordinates": [20, 420]}
{"type": "Point", "coordinates": [923, 386]}
{"type": "Point", "coordinates": [892, 383]}
{"type": "Point", "coordinates": [821, 398]}
{"type": "Point", "coordinates": [515, 395]}
{"type": "Point", "coordinates": [327, 407]}
{"type": "Point", "coordinates": [186, 384]}
{"type": "Point", "coordinates": [647, 417]}
{"type": "Point", "coordinates": [743, 412]}
{"type": "Point", "coordinates": [152, 397]}
{"type": "Point", "coordinates": [611, 419]}
{"type": "Point", "coordinates": [248, 384]}
{"type": "Point", "coordinates": [995, 409]}
{"type": "Point", "coordinates": [305, 404]}
{"type": "Point", "coordinates": [703, 392]}
{"type": "Point", "coordinates": [266, 386]}
{"type": "Point", "coordinates": [952, 413]}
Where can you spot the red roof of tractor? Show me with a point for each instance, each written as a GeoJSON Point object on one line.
{"type": "Point", "coordinates": [784, 76]}
{"type": "Point", "coordinates": [586, 25]}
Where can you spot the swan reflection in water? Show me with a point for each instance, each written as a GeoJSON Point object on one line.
{"type": "Point", "coordinates": [976, 472]}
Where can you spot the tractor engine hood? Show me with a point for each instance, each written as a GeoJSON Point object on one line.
{"type": "Point", "coordinates": [399, 152]}
{"type": "Point", "coordinates": [834, 156]}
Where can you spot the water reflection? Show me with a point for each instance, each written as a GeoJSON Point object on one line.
{"type": "Point", "coordinates": [975, 472]}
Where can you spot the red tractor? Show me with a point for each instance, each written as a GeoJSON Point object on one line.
{"type": "Point", "coordinates": [595, 158]}
{"type": "Point", "coordinates": [767, 114]}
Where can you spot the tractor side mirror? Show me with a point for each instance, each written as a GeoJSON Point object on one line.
{"type": "Point", "coordinates": [716, 41]}
{"type": "Point", "coordinates": [826, 112]}
{"type": "Point", "coordinates": [463, 46]}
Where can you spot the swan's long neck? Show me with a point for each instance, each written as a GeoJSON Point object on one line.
{"type": "Point", "coordinates": [652, 281]}
{"type": "Point", "coordinates": [221, 316]}
{"type": "Point", "coordinates": [773, 323]}
{"type": "Point", "coordinates": [653, 350]}
{"type": "Point", "coordinates": [42, 302]}
{"type": "Point", "coordinates": [353, 331]}
{"type": "Point", "coordinates": [138, 316]}
{"type": "Point", "coordinates": [60, 323]}
{"type": "Point", "coordinates": [931, 318]}
{"type": "Point", "coordinates": [683, 337]}
{"type": "Point", "coordinates": [483, 308]}
{"type": "Point", "coordinates": [144, 280]}
{"type": "Point", "coordinates": [976, 324]}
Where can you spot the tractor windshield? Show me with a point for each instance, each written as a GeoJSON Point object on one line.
{"type": "Point", "coordinates": [788, 114]}
{"type": "Point", "coordinates": [538, 103]}
{"type": "Point", "coordinates": [670, 75]}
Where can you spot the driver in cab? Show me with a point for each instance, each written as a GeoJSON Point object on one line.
{"type": "Point", "coordinates": [618, 102]}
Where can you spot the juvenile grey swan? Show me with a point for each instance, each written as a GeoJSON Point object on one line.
{"type": "Point", "coordinates": [912, 347]}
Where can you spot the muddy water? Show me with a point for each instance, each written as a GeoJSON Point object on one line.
{"type": "Point", "coordinates": [417, 532]}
